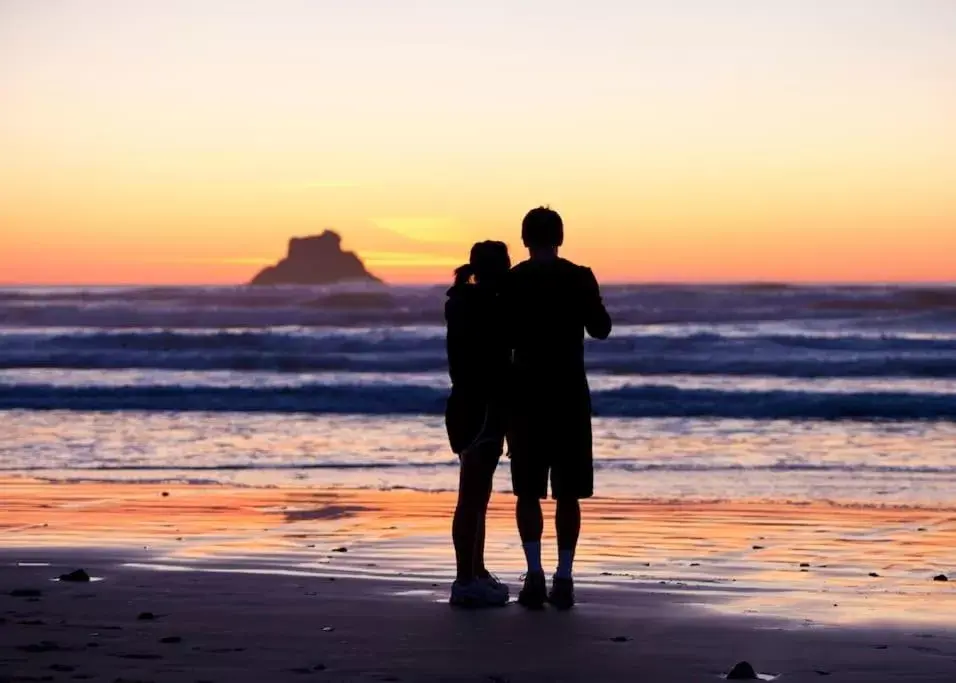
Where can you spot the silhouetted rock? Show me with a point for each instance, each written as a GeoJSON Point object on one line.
{"type": "Point", "coordinates": [941, 577]}
{"type": "Point", "coordinates": [78, 576]}
{"type": "Point", "coordinates": [743, 671]}
{"type": "Point", "coordinates": [316, 260]}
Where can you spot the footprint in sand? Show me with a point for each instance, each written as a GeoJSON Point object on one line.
{"type": "Point", "coordinates": [42, 646]}
{"type": "Point", "coordinates": [26, 593]}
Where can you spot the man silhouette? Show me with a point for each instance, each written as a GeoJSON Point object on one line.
{"type": "Point", "coordinates": [550, 304]}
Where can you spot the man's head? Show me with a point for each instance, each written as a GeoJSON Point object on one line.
{"type": "Point", "coordinates": [542, 228]}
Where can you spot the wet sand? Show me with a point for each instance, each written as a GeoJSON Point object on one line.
{"type": "Point", "coordinates": [248, 579]}
{"type": "Point", "coordinates": [212, 626]}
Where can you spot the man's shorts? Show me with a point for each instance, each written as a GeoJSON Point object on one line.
{"type": "Point", "coordinates": [571, 476]}
{"type": "Point", "coordinates": [552, 446]}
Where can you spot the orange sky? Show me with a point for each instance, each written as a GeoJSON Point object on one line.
{"type": "Point", "coordinates": [183, 142]}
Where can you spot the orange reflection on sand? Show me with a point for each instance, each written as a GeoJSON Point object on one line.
{"type": "Point", "coordinates": [813, 561]}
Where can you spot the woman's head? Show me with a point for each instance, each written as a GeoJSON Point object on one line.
{"type": "Point", "coordinates": [489, 261]}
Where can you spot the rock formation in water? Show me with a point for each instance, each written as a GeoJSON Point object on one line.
{"type": "Point", "coordinates": [316, 260]}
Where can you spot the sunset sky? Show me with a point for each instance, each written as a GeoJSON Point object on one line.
{"type": "Point", "coordinates": [184, 141]}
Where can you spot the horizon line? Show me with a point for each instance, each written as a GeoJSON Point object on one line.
{"type": "Point", "coordinates": [610, 282]}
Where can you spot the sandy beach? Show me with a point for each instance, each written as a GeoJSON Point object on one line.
{"type": "Point", "coordinates": [285, 584]}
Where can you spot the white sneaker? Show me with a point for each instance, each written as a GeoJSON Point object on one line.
{"type": "Point", "coordinates": [477, 593]}
{"type": "Point", "coordinates": [495, 583]}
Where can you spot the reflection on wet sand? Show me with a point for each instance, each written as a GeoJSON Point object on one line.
{"type": "Point", "coordinates": [808, 561]}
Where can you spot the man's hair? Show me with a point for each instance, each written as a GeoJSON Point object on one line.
{"type": "Point", "coordinates": [542, 228]}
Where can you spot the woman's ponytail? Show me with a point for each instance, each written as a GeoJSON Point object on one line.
{"type": "Point", "coordinates": [464, 273]}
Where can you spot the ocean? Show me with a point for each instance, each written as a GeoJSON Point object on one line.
{"type": "Point", "coordinates": [753, 392]}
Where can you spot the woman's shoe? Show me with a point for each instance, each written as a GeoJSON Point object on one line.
{"type": "Point", "coordinates": [476, 593]}
{"type": "Point", "coordinates": [496, 585]}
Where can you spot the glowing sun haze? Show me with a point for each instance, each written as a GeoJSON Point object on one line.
{"type": "Point", "coordinates": [185, 141]}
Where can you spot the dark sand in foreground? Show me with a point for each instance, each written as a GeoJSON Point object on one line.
{"type": "Point", "coordinates": [214, 626]}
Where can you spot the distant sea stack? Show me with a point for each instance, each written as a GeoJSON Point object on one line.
{"type": "Point", "coordinates": [316, 260]}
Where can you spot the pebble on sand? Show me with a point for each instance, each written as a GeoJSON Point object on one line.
{"type": "Point", "coordinates": [874, 575]}
{"type": "Point", "coordinates": [743, 671]}
{"type": "Point", "coordinates": [342, 549]}
{"type": "Point", "coordinates": [941, 577]}
{"type": "Point", "coordinates": [77, 576]}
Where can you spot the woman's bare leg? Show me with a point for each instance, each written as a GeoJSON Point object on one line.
{"type": "Point", "coordinates": [480, 568]}
{"type": "Point", "coordinates": [468, 526]}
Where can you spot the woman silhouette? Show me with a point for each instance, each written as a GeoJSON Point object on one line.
{"type": "Point", "coordinates": [479, 362]}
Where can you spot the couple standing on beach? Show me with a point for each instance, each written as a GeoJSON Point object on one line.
{"type": "Point", "coordinates": [516, 359]}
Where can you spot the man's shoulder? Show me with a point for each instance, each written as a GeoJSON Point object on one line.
{"type": "Point", "coordinates": [577, 268]}
{"type": "Point", "coordinates": [521, 267]}
{"type": "Point", "coordinates": [560, 265]}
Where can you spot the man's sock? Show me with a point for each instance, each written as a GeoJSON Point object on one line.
{"type": "Point", "coordinates": [532, 553]}
{"type": "Point", "coordinates": [565, 564]}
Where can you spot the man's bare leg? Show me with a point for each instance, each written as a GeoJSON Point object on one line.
{"type": "Point", "coordinates": [530, 527]}
{"type": "Point", "coordinates": [567, 522]}
{"type": "Point", "coordinates": [567, 525]}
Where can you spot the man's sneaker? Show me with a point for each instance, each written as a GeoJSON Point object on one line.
{"type": "Point", "coordinates": [476, 593]}
{"type": "Point", "coordinates": [562, 593]}
{"type": "Point", "coordinates": [535, 591]}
